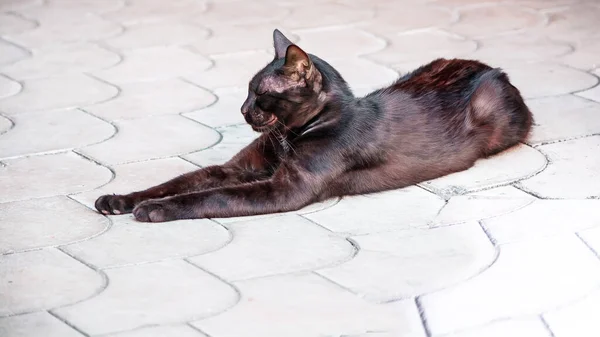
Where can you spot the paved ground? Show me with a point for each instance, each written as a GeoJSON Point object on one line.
{"type": "Point", "coordinates": [110, 96]}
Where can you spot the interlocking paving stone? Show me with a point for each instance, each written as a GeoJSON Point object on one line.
{"type": "Point", "coordinates": [395, 16]}
{"type": "Point", "coordinates": [161, 97]}
{"type": "Point", "coordinates": [12, 24]}
{"type": "Point", "coordinates": [75, 7]}
{"type": "Point", "coordinates": [401, 209]}
{"type": "Point", "coordinates": [46, 222]}
{"type": "Point", "coordinates": [406, 263]}
{"type": "Point", "coordinates": [463, 208]}
{"type": "Point", "coordinates": [423, 46]}
{"type": "Point", "coordinates": [9, 53]}
{"type": "Point", "coordinates": [44, 279]}
{"type": "Point", "coordinates": [364, 76]}
{"type": "Point", "coordinates": [235, 138]}
{"type": "Point", "coordinates": [231, 70]}
{"type": "Point", "coordinates": [155, 63]}
{"type": "Point", "coordinates": [35, 324]}
{"type": "Point", "coordinates": [352, 42]}
{"type": "Point", "coordinates": [57, 27]}
{"type": "Point", "coordinates": [60, 60]}
{"type": "Point", "coordinates": [152, 138]}
{"type": "Point", "coordinates": [5, 125]}
{"type": "Point", "coordinates": [308, 306]}
{"type": "Point", "coordinates": [221, 13]}
{"type": "Point", "coordinates": [71, 174]}
{"type": "Point", "coordinates": [544, 218]}
{"type": "Point", "coordinates": [153, 293]}
{"type": "Point", "coordinates": [592, 237]}
{"type": "Point", "coordinates": [163, 34]}
{"type": "Point", "coordinates": [8, 87]}
{"type": "Point", "coordinates": [550, 112]}
{"type": "Point", "coordinates": [546, 5]}
{"type": "Point", "coordinates": [232, 39]}
{"type": "Point", "coordinates": [527, 278]}
{"type": "Point", "coordinates": [494, 171]}
{"type": "Point", "coordinates": [330, 14]}
{"type": "Point", "coordinates": [132, 242]}
{"type": "Point", "coordinates": [505, 49]}
{"type": "Point", "coordinates": [136, 177]}
{"type": "Point", "coordinates": [576, 319]}
{"type": "Point", "coordinates": [52, 133]}
{"type": "Point", "coordinates": [526, 77]}
{"type": "Point", "coordinates": [489, 20]}
{"type": "Point", "coordinates": [574, 22]}
{"type": "Point", "coordinates": [573, 170]}
{"type": "Point", "coordinates": [226, 111]}
{"type": "Point", "coordinates": [10, 5]}
{"type": "Point", "coordinates": [591, 94]}
{"type": "Point", "coordinates": [514, 327]}
{"type": "Point", "coordinates": [169, 88]}
{"type": "Point", "coordinates": [584, 55]}
{"type": "Point", "coordinates": [58, 93]}
{"type": "Point", "coordinates": [275, 246]}
{"type": "Point", "coordinates": [161, 331]}
{"type": "Point", "coordinates": [153, 11]}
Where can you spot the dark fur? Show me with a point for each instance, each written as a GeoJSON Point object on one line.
{"type": "Point", "coordinates": [318, 141]}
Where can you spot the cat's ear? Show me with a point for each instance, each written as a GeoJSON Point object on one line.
{"type": "Point", "coordinates": [281, 43]}
{"type": "Point", "coordinates": [297, 61]}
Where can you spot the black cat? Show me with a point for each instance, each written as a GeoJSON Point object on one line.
{"type": "Point", "coordinates": [319, 141]}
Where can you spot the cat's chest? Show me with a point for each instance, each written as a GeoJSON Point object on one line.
{"type": "Point", "coordinates": [284, 148]}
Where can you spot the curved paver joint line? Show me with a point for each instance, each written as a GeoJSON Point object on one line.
{"type": "Point", "coordinates": [111, 96]}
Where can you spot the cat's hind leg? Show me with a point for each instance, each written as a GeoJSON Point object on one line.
{"type": "Point", "coordinates": [497, 110]}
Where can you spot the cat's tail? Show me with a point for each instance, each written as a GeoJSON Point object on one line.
{"type": "Point", "coordinates": [497, 108]}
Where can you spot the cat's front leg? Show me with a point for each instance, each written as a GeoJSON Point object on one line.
{"type": "Point", "coordinates": [288, 190]}
{"type": "Point", "coordinates": [203, 179]}
{"type": "Point", "coordinates": [234, 201]}
{"type": "Point", "coordinates": [250, 164]}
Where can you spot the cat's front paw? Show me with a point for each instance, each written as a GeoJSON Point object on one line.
{"type": "Point", "coordinates": [114, 204]}
{"type": "Point", "coordinates": [155, 211]}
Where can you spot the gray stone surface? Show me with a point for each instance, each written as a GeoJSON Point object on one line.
{"type": "Point", "coordinates": [44, 279]}
{"type": "Point", "coordinates": [46, 222]}
{"type": "Point", "coordinates": [152, 138]}
{"type": "Point", "coordinates": [407, 263]}
{"type": "Point", "coordinates": [276, 245]}
{"type": "Point", "coordinates": [52, 133]}
{"type": "Point", "coordinates": [161, 97]}
{"type": "Point", "coordinates": [35, 324]}
{"type": "Point", "coordinates": [113, 96]}
{"type": "Point", "coordinates": [491, 172]}
{"type": "Point", "coordinates": [29, 177]}
{"type": "Point", "coordinates": [131, 242]}
{"type": "Point", "coordinates": [511, 327]}
{"type": "Point", "coordinates": [573, 171]}
{"type": "Point", "coordinates": [576, 319]}
{"type": "Point", "coordinates": [308, 305]}
{"type": "Point", "coordinates": [161, 331]}
{"type": "Point", "coordinates": [58, 93]}
{"type": "Point", "coordinates": [527, 278]}
{"type": "Point", "coordinates": [153, 293]}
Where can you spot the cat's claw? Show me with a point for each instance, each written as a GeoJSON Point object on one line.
{"type": "Point", "coordinates": [154, 211]}
{"type": "Point", "coordinates": [114, 204]}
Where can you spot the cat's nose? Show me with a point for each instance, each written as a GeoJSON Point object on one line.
{"type": "Point", "coordinates": [245, 108]}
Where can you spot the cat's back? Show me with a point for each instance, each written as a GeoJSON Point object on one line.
{"type": "Point", "coordinates": [442, 75]}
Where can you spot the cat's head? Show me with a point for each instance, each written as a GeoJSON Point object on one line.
{"type": "Point", "coordinates": [287, 92]}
